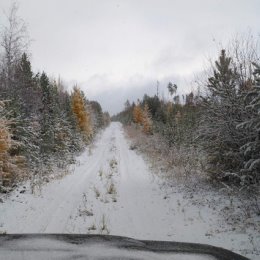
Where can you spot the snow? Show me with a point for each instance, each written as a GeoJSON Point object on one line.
{"type": "Point", "coordinates": [111, 190]}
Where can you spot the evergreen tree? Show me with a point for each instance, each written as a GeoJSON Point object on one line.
{"type": "Point", "coordinates": [222, 111]}
{"type": "Point", "coordinates": [47, 134]}
{"type": "Point", "coordinates": [97, 115]}
{"type": "Point", "coordinates": [172, 88]}
{"type": "Point", "coordinates": [251, 149]}
{"type": "Point", "coordinates": [26, 90]}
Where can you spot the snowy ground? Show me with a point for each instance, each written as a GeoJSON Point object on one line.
{"type": "Point", "coordinates": [112, 191]}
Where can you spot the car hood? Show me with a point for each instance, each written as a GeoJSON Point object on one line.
{"type": "Point", "coordinates": [72, 246]}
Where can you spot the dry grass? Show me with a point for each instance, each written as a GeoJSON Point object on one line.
{"type": "Point", "coordinates": [97, 192]}
{"type": "Point", "coordinates": [101, 174]}
{"type": "Point", "coordinates": [111, 189]}
{"type": "Point", "coordinates": [179, 163]}
{"type": "Point", "coordinates": [85, 212]}
{"type": "Point", "coordinates": [103, 226]}
{"type": "Point", "coordinates": [114, 199]}
{"type": "Point", "coordinates": [113, 163]}
{"type": "Point", "coordinates": [92, 227]}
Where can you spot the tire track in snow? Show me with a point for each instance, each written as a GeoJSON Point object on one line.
{"type": "Point", "coordinates": [73, 196]}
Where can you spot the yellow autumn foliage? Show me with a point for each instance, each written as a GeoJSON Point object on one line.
{"type": "Point", "coordinates": [12, 168]}
{"type": "Point", "coordinates": [5, 137]}
{"type": "Point", "coordinates": [147, 120]}
{"type": "Point", "coordinates": [138, 114]}
{"type": "Point", "coordinates": [143, 117]}
{"type": "Point", "coordinates": [82, 114]}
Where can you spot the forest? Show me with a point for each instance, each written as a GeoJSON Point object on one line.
{"type": "Point", "coordinates": [178, 160]}
{"type": "Point", "coordinates": [43, 125]}
{"type": "Point", "coordinates": [220, 120]}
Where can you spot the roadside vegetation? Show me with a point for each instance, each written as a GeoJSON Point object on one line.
{"type": "Point", "coordinates": [213, 130]}
{"type": "Point", "coordinates": [42, 124]}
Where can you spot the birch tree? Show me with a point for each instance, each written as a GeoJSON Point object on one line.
{"type": "Point", "coordinates": [14, 42]}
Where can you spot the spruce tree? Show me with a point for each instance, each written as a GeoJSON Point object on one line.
{"type": "Point", "coordinates": [222, 111]}
{"type": "Point", "coordinates": [251, 149]}
{"type": "Point", "coordinates": [47, 127]}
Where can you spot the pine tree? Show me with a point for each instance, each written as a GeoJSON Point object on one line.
{"type": "Point", "coordinates": [21, 107]}
{"type": "Point", "coordinates": [26, 88]}
{"type": "Point", "coordinates": [96, 115]}
{"type": "Point", "coordinates": [47, 128]}
{"type": "Point", "coordinates": [172, 88]}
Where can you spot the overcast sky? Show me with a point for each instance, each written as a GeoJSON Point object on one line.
{"type": "Point", "coordinates": [118, 49]}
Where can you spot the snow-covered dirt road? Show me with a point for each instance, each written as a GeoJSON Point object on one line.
{"type": "Point", "coordinates": [112, 191]}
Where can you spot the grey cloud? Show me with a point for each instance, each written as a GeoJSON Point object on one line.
{"type": "Point", "coordinates": [117, 49]}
